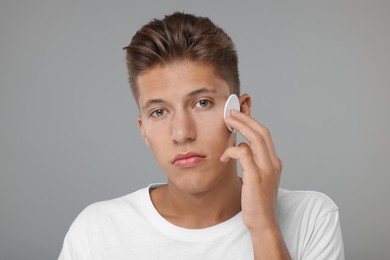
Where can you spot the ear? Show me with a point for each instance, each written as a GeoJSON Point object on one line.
{"type": "Point", "coordinates": [142, 130]}
{"type": "Point", "coordinates": [245, 104]}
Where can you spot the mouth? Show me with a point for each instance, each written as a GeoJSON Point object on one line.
{"type": "Point", "coordinates": [189, 159]}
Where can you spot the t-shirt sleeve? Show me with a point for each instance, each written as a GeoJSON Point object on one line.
{"type": "Point", "coordinates": [326, 240]}
{"type": "Point", "coordinates": [68, 251]}
{"type": "Point", "coordinates": [71, 251]}
{"type": "Point", "coordinates": [75, 245]}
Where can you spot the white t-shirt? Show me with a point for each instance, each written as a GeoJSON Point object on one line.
{"type": "Point", "coordinates": [130, 227]}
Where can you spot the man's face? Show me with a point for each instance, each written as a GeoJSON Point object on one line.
{"type": "Point", "coordinates": [182, 122]}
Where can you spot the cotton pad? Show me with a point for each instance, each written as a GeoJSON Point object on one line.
{"type": "Point", "coordinates": [231, 103]}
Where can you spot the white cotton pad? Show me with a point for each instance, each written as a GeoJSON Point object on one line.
{"type": "Point", "coordinates": [231, 103]}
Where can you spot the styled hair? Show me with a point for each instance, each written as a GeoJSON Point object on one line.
{"type": "Point", "coordinates": [181, 36]}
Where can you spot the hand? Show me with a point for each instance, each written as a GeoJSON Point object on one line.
{"type": "Point", "coordinates": [261, 169]}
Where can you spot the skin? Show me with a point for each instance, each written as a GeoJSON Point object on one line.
{"type": "Point", "coordinates": [181, 107]}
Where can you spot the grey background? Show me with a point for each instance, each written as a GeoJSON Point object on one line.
{"type": "Point", "coordinates": [318, 73]}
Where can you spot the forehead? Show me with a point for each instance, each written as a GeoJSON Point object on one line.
{"type": "Point", "coordinates": [178, 79]}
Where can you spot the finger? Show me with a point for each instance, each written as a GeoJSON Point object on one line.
{"type": "Point", "coordinates": [243, 153]}
{"type": "Point", "coordinates": [256, 140]}
{"type": "Point", "coordinates": [259, 129]}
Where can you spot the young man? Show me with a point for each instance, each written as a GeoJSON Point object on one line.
{"type": "Point", "coordinates": [182, 70]}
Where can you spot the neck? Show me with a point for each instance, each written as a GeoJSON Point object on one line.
{"type": "Point", "coordinates": [199, 210]}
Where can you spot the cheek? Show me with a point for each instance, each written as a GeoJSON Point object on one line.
{"type": "Point", "coordinates": [213, 130]}
{"type": "Point", "coordinates": [157, 135]}
{"type": "Point", "coordinates": [155, 130]}
{"type": "Point", "coordinates": [212, 118]}
{"type": "Point", "coordinates": [159, 150]}
{"type": "Point", "coordinates": [213, 122]}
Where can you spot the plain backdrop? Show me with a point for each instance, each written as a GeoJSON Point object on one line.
{"type": "Point", "coordinates": [318, 73]}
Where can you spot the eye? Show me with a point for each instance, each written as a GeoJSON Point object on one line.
{"type": "Point", "coordinates": [203, 103]}
{"type": "Point", "coordinates": [158, 113]}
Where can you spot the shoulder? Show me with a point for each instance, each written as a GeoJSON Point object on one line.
{"type": "Point", "coordinates": [310, 225]}
{"type": "Point", "coordinates": [305, 203]}
{"type": "Point", "coordinates": [110, 210]}
{"type": "Point", "coordinates": [305, 198]}
{"type": "Point", "coordinates": [100, 222]}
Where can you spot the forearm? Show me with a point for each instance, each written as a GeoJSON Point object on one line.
{"type": "Point", "coordinates": [269, 244]}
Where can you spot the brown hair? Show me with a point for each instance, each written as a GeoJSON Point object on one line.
{"type": "Point", "coordinates": [181, 36]}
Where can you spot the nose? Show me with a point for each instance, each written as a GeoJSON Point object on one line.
{"type": "Point", "coordinates": [182, 127]}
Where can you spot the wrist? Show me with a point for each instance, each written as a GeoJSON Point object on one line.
{"type": "Point", "coordinates": [268, 243]}
{"type": "Point", "coordinates": [271, 231]}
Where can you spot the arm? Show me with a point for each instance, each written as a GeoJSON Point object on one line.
{"type": "Point", "coordinates": [261, 170]}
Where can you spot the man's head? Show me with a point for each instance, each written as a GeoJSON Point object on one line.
{"type": "Point", "coordinates": [182, 70]}
{"type": "Point", "coordinates": [180, 37]}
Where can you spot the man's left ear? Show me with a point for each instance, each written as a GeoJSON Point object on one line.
{"type": "Point", "coordinates": [245, 104]}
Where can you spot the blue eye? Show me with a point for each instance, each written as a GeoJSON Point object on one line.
{"type": "Point", "coordinates": [203, 103]}
{"type": "Point", "coordinates": [158, 113]}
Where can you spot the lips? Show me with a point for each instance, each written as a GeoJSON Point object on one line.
{"type": "Point", "coordinates": [189, 159]}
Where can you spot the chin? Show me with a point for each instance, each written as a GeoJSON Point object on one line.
{"type": "Point", "coordinates": [195, 182]}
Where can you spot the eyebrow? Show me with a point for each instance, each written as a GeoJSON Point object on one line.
{"type": "Point", "coordinates": [200, 91]}
{"type": "Point", "coordinates": [152, 102]}
{"type": "Point", "coordinates": [188, 96]}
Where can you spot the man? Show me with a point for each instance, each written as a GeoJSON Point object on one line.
{"type": "Point", "coordinates": [182, 70]}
